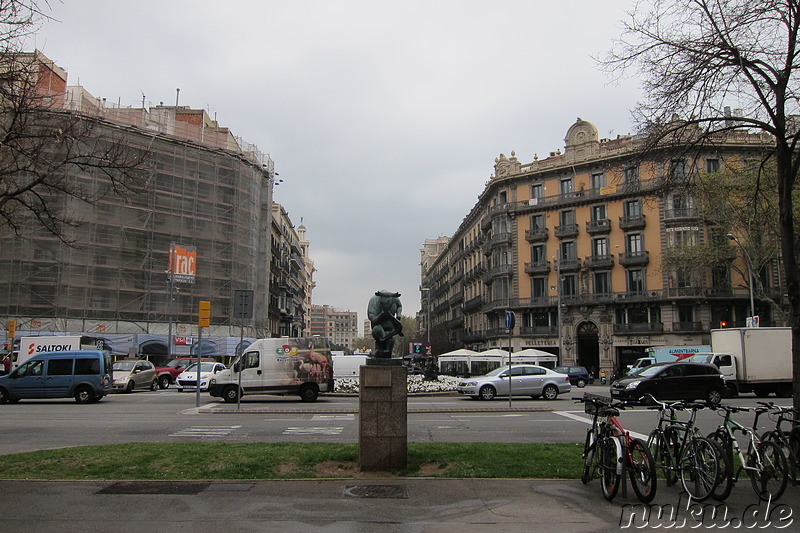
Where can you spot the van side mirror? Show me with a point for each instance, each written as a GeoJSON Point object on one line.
{"type": "Point", "coordinates": [237, 367]}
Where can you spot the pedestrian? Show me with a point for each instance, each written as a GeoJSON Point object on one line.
{"type": "Point", "coordinates": [6, 364]}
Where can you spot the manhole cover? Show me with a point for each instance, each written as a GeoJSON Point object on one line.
{"type": "Point", "coordinates": [376, 491]}
{"type": "Point", "coordinates": [154, 487]}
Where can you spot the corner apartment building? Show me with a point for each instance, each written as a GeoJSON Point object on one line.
{"type": "Point", "coordinates": [341, 327]}
{"type": "Point", "coordinates": [573, 245]}
{"type": "Point", "coordinates": [207, 190]}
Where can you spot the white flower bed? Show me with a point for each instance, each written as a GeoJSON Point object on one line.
{"type": "Point", "coordinates": [416, 384]}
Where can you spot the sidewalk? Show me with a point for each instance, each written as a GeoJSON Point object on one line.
{"type": "Point", "coordinates": [365, 504]}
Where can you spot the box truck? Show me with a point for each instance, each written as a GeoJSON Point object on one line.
{"type": "Point", "coordinates": [30, 346]}
{"type": "Point", "coordinates": [666, 354]}
{"type": "Point", "coordinates": [755, 360]}
{"type": "Point", "coordinates": [301, 366]}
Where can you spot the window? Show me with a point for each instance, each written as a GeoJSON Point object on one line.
{"type": "Point", "coordinates": [677, 169]}
{"type": "Point", "coordinates": [633, 208]}
{"type": "Point", "coordinates": [635, 279]}
{"type": "Point", "coordinates": [565, 186]}
{"type": "Point", "coordinates": [251, 360]}
{"type": "Point", "coordinates": [685, 313]}
{"type": "Point", "coordinates": [598, 180]}
{"type": "Point", "coordinates": [631, 175]}
{"type": "Point", "coordinates": [682, 236]}
{"type": "Point", "coordinates": [500, 289]}
{"type": "Point", "coordinates": [537, 222]}
{"type": "Point", "coordinates": [567, 217]}
{"type": "Point", "coordinates": [539, 287]}
{"type": "Point", "coordinates": [598, 212]}
{"type": "Point", "coordinates": [600, 246]}
{"type": "Point", "coordinates": [87, 366]}
{"type": "Point", "coordinates": [568, 251]}
{"type": "Point", "coordinates": [602, 282]}
{"type": "Point", "coordinates": [502, 198]}
{"type": "Point", "coordinates": [537, 191]}
{"type": "Point", "coordinates": [59, 367]}
{"type": "Point", "coordinates": [537, 254]}
{"type": "Point", "coordinates": [633, 244]}
{"type": "Point", "coordinates": [569, 286]}
{"type": "Point", "coordinates": [712, 165]}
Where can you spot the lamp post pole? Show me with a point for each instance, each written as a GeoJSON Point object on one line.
{"type": "Point", "coordinates": [749, 262]}
{"type": "Point", "coordinates": [428, 317]}
{"type": "Point", "coordinates": [559, 360]}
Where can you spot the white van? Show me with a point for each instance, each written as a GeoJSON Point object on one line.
{"type": "Point", "coordinates": [300, 366]}
{"type": "Point", "coordinates": [348, 366]}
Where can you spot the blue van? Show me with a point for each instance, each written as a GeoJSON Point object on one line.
{"type": "Point", "coordinates": [81, 374]}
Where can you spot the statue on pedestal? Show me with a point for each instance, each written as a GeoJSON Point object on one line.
{"type": "Point", "coordinates": [383, 312]}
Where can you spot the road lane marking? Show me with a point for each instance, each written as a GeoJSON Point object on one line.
{"type": "Point", "coordinates": [313, 431]}
{"type": "Point", "coordinates": [205, 431]}
{"type": "Point", "coordinates": [585, 420]}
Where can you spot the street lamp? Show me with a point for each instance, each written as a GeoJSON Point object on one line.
{"type": "Point", "coordinates": [747, 260]}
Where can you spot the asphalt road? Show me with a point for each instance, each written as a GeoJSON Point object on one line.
{"type": "Point", "coordinates": [170, 416]}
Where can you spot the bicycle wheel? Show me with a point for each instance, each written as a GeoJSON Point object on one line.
{"type": "Point", "coordinates": [672, 446]}
{"type": "Point", "coordinates": [607, 464]}
{"type": "Point", "coordinates": [642, 471]}
{"type": "Point", "coordinates": [661, 456]}
{"type": "Point", "coordinates": [793, 455]}
{"type": "Point", "coordinates": [725, 477]}
{"type": "Point", "coordinates": [698, 468]}
{"type": "Point", "coordinates": [769, 478]}
{"type": "Point", "coordinates": [588, 456]}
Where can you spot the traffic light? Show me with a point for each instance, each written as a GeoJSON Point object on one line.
{"type": "Point", "coordinates": [204, 314]}
{"type": "Point", "coordinates": [12, 328]}
{"type": "Point", "coordinates": [723, 324]}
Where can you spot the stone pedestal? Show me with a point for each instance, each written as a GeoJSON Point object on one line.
{"type": "Point", "coordinates": [383, 418]}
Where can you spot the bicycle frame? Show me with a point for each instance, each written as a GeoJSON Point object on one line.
{"type": "Point", "coordinates": [730, 426]}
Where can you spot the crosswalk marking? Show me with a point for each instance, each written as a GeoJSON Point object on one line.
{"type": "Point", "coordinates": [334, 417]}
{"type": "Point", "coordinates": [205, 431]}
{"type": "Point", "coordinates": [313, 431]}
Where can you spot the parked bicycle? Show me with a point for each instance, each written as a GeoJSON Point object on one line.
{"type": "Point", "coordinates": [610, 452]}
{"type": "Point", "coordinates": [787, 439]}
{"type": "Point", "coordinates": [681, 452]}
{"type": "Point", "coordinates": [764, 461]}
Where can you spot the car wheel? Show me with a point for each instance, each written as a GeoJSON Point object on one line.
{"type": "Point", "coordinates": [163, 381]}
{"type": "Point", "coordinates": [231, 393]}
{"type": "Point", "coordinates": [154, 385]}
{"type": "Point", "coordinates": [3, 395]}
{"type": "Point", "coordinates": [84, 395]}
{"type": "Point", "coordinates": [581, 383]}
{"type": "Point", "coordinates": [309, 393]}
{"type": "Point", "coordinates": [487, 392]}
{"type": "Point", "coordinates": [129, 387]}
{"type": "Point", "coordinates": [714, 396]}
{"type": "Point", "coordinates": [550, 392]}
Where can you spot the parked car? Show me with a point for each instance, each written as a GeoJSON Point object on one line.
{"type": "Point", "coordinates": [130, 374]}
{"type": "Point", "coordinates": [168, 373]}
{"type": "Point", "coordinates": [188, 378]}
{"type": "Point", "coordinates": [672, 381]}
{"type": "Point", "coordinates": [525, 380]}
{"type": "Point", "coordinates": [578, 375]}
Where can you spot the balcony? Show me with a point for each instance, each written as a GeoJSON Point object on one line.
{"type": "Point", "coordinates": [539, 330]}
{"type": "Point", "coordinates": [566, 231]}
{"type": "Point", "coordinates": [499, 238]}
{"type": "Point", "coordinates": [570, 264]}
{"type": "Point", "coordinates": [637, 329]}
{"type": "Point", "coordinates": [599, 261]}
{"type": "Point", "coordinates": [681, 214]}
{"type": "Point", "coordinates": [473, 336]}
{"type": "Point", "coordinates": [632, 222]}
{"type": "Point", "coordinates": [473, 303]}
{"type": "Point", "coordinates": [597, 227]}
{"type": "Point", "coordinates": [537, 235]}
{"type": "Point", "coordinates": [634, 258]}
{"type": "Point", "coordinates": [502, 270]}
{"type": "Point", "coordinates": [539, 267]}
{"type": "Point", "coordinates": [688, 326]}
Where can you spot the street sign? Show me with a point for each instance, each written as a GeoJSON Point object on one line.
{"type": "Point", "coordinates": [511, 319]}
{"type": "Point", "coordinates": [243, 304]}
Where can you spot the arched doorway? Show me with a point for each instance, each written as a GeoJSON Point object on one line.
{"type": "Point", "coordinates": [588, 337]}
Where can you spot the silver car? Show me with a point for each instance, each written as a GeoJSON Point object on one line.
{"type": "Point", "coordinates": [130, 374]}
{"type": "Point", "coordinates": [524, 380]}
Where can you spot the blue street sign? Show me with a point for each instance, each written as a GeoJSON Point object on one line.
{"type": "Point", "coordinates": [511, 319]}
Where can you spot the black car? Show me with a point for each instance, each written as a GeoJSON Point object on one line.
{"type": "Point", "coordinates": [578, 375]}
{"type": "Point", "coordinates": [672, 381]}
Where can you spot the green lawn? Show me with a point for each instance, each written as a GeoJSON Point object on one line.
{"type": "Point", "coordinates": [207, 461]}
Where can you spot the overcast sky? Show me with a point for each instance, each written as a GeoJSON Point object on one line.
{"type": "Point", "coordinates": [383, 118]}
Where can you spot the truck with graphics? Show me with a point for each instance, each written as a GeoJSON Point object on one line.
{"type": "Point", "coordinates": [30, 346]}
{"type": "Point", "coordinates": [755, 360]}
{"type": "Point", "coordinates": [666, 354]}
{"type": "Point", "coordinates": [301, 366]}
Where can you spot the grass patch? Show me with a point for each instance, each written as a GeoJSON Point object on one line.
{"type": "Point", "coordinates": [209, 461]}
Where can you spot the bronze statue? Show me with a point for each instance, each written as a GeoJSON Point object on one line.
{"type": "Point", "coordinates": [383, 312]}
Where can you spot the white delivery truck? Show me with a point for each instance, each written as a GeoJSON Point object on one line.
{"type": "Point", "coordinates": [348, 366]}
{"type": "Point", "coordinates": [284, 365]}
{"type": "Point", "coordinates": [755, 360]}
{"type": "Point", "coordinates": [30, 346]}
{"type": "Point", "coordinates": [666, 354]}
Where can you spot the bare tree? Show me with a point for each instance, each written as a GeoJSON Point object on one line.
{"type": "Point", "coordinates": [699, 56]}
{"type": "Point", "coordinates": [44, 145]}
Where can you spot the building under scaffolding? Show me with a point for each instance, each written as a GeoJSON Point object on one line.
{"type": "Point", "coordinates": [206, 189]}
